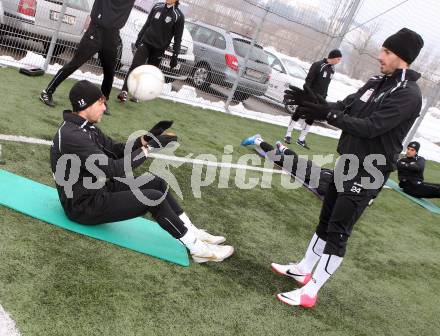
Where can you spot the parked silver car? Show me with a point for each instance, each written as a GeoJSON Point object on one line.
{"type": "Point", "coordinates": [1, 13]}
{"type": "Point", "coordinates": [220, 54]}
{"type": "Point", "coordinates": [37, 20]}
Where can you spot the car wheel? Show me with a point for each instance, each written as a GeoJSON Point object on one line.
{"type": "Point", "coordinates": [290, 108]}
{"type": "Point", "coordinates": [241, 96]}
{"type": "Point", "coordinates": [201, 76]}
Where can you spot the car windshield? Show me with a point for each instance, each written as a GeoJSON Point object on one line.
{"type": "Point", "coordinates": [294, 69]}
{"type": "Point", "coordinates": [257, 54]}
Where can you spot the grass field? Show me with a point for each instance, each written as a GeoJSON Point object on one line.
{"type": "Point", "coordinates": [53, 282]}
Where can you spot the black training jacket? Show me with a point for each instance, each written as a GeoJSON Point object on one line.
{"type": "Point", "coordinates": [111, 14]}
{"type": "Point", "coordinates": [162, 24]}
{"type": "Point", "coordinates": [411, 169]}
{"type": "Point", "coordinates": [319, 76]}
{"type": "Point", "coordinates": [76, 136]}
{"type": "Point", "coordinates": [376, 119]}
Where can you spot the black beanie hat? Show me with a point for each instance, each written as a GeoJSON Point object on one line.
{"type": "Point", "coordinates": [405, 43]}
{"type": "Point", "coordinates": [84, 94]}
{"type": "Point", "coordinates": [334, 54]}
{"type": "Point", "coordinates": [415, 145]}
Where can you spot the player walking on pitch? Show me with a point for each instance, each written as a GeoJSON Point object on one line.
{"type": "Point", "coordinates": [102, 37]}
{"type": "Point", "coordinates": [318, 80]}
{"type": "Point", "coordinates": [374, 120]}
{"type": "Point", "coordinates": [164, 22]}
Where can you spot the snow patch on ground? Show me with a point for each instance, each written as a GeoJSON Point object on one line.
{"type": "Point", "coordinates": [7, 324]}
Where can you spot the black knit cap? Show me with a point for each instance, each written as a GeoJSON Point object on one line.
{"type": "Point", "coordinates": [336, 53]}
{"type": "Point", "coordinates": [415, 145]}
{"type": "Point", "coordinates": [405, 43]}
{"type": "Point", "coordinates": [84, 94]}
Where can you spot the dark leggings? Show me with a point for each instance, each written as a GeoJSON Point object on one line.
{"type": "Point", "coordinates": [95, 40]}
{"type": "Point", "coordinates": [119, 203]}
{"type": "Point", "coordinates": [422, 190]}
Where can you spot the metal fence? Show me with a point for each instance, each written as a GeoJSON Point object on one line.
{"type": "Point", "coordinates": [232, 50]}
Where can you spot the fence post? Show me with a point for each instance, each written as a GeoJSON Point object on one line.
{"type": "Point", "coordinates": [246, 59]}
{"type": "Point", "coordinates": [431, 101]}
{"type": "Point", "coordinates": [55, 35]}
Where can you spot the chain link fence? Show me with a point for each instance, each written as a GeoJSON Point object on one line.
{"type": "Point", "coordinates": [233, 50]}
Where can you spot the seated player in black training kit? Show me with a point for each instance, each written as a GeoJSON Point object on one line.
{"type": "Point", "coordinates": [410, 171]}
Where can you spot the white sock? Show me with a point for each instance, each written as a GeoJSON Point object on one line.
{"type": "Point", "coordinates": [258, 141]}
{"type": "Point", "coordinates": [187, 222]}
{"type": "Point", "coordinates": [304, 132]}
{"type": "Point", "coordinates": [193, 244]}
{"type": "Point", "coordinates": [328, 264]}
{"type": "Point", "coordinates": [290, 128]}
{"type": "Point", "coordinates": [313, 254]}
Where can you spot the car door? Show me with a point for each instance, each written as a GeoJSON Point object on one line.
{"type": "Point", "coordinates": [279, 79]}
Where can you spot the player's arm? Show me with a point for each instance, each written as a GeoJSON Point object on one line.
{"type": "Point", "coordinates": [394, 110]}
{"type": "Point", "coordinates": [178, 33]}
{"type": "Point", "coordinates": [312, 74]}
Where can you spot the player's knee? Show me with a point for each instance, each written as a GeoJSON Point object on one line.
{"type": "Point", "coordinates": [336, 244]}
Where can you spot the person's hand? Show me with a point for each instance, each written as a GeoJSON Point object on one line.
{"type": "Point", "coordinates": [314, 111]}
{"type": "Point", "coordinates": [162, 140]}
{"type": "Point", "coordinates": [158, 129]}
{"type": "Point", "coordinates": [173, 61]}
{"type": "Point", "coordinates": [294, 96]}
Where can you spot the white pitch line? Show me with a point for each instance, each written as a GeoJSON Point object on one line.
{"type": "Point", "coordinates": [24, 139]}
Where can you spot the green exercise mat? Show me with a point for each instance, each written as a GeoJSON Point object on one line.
{"type": "Point", "coordinates": [41, 201]}
{"type": "Point", "coordinates": [420, 201]}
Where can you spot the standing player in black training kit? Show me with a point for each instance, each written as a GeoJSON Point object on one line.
{"type": "Point", "coordinates": [164, 22]}
{"type": "Point", "coordinates": [374, 121]}
{"type": "Point", "coordinates": [318, 80]}
{"type": "Point", "coordinates": [410, 169]}
{"type": "Point", "coordinates": [102, 37]}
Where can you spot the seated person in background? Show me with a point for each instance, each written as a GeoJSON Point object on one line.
{"type": "Point", "coordinates": [410, 169]}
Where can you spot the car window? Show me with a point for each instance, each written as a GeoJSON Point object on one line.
{"type": "Point", "coordinates": [191, 28]}
{"type": "Point", "coordinates": [77, 4]}
{"type": "Point", "coordinates": [144, 5]}
{"type": "Point", "coordinates": [294, 69]}
{"type": "Point", "coordinates": [257, 53]}
{"type": "Point", "coordinates": [275, 63]}
{"type": "Point", "coordinates": [220, 41]}
{"type": "Point", "coordinates": [204, 35]}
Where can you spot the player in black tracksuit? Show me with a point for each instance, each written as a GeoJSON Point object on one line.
{"type": "Point", "coordinates": [89, 169]}
{"type": "Point", "coordinates": [102, 37]}
{"type": "Point", "coordinates": [410, 171]}
{"type": "Point", "coordinates": [164, 22]}
{"type": "Point", "coordinates": [374, 122]}
{"type": "Point", "coordinates": [318, 80]}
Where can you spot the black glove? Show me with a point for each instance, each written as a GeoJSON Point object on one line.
{"type": "Point", "coordinates": [173, 61]}
{"type": "Point", "coordinates": [162, 140]}
{"type": "Point", "coordinates": [158, 129]}
{"type": "Point", "coordinates": [314, 111]}
{"type": "Point", "coordinates": [294, 96]}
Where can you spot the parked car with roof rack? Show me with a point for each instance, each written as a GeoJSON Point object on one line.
{"type": "Point", "coordinates": [220, 54]}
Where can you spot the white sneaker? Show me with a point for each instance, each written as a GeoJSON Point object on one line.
{"type": "Point", "coordinates": [292, 271]}
{"type": "Point", "coordinates": [209, 238]}
{"type": "Point", "coordinates": [297, 298]}
{"type": "Point", "coordinates": [212, 253]}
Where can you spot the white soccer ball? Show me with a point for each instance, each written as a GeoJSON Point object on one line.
{"type": "Point", "coordinates": [145, 82]}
